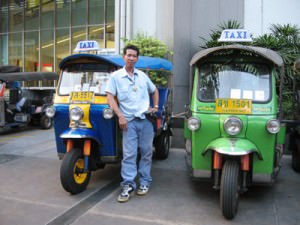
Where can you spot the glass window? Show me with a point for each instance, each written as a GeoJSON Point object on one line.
{"type": "Point", "coordinates": [31, 51]}
{"type": "Point", "coordinates": [4, 49]}
{"type": "Point", "coordinates": [96, 12]}
{"type": "Point", "coordinates": [32, 12]}
{"type": "Point", "coordinates": [63, 13]}
{"type": "Point", "coordinates": [237, 81]}
{"type": "Point", "coordinates": [15, 49]}
{"type": "Point", "coordinates": [62, 45]}
{"type": "Point", "coordinates": [110, 12]}
{"type": "Point", "coordinates": [79, 12]}
{"type": "Point", "coordinates": [16, 15]}
{"type": "Point", "coordinates": [47, 16]}
{"type": "Point", "coordinates": [78, 34]}
{"type": "Point", "coordinates": [85, 77]}
{"type": "Point", "coordinates": [3, 16]}
{"type": "Point", "coordinates": [47, 47]}
{"type": "Point", "coordinates": [97, 34]}
{"type": "Point", "coordinates": [110, 36]}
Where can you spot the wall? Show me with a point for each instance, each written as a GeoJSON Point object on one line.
{"type": "Point", "coordinates": [260, 14]}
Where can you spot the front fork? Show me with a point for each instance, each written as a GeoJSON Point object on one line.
{"type": "Point", "coordinates": [217, 168]}
{"type": "Point", "coordinates": [86, 151]}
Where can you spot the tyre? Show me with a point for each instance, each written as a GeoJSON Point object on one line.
{"type": "Point", "coordinates": [229, 191]}
{"type": "Point", "coordinates": [72, 176]}
{"type": "Point", "coordinates": [162, 145]}
{"type": "Point", "coordinates": [46, 122]}
{"type": "Point", "coordinates": [296, 156]}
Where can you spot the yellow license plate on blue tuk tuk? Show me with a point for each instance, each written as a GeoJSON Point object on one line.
{"type": "Point", "coordinates": [81, 97]}
{"type": "Point", "coordinates": [233, 106]}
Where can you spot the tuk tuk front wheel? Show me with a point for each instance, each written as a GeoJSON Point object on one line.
{"type": "Point", "coordinates": [162, 145]}
{"type": "Point", "coordinates": [72, 175]}
{"type": "Point", "coordinates": [45, 122]}
{"type": "Point", "coordinates": [296, 156]}
{"type": "Point", "coordinates": [229, 193]}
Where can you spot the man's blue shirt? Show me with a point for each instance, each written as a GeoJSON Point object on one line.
{"type": "Point", "coordinates": [132, 92]}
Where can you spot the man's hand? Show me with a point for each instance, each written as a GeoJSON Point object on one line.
{"type": "Point", "coordinates": [123, 123]}
{"type": "Point", "coordinates": [153, 110]}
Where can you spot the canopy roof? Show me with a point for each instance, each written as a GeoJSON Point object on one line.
{"type": "Point", "coordinates": [268, 54]}
{"type": "Point", "coordinates": [28, 76]}
{"type": "Point", "coordinates": [144, 62]}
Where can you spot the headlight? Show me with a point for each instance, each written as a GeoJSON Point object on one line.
{"type": "Point", "coordinates": [193, 123]}
{"type": "Point", "coordinates": [273, 126]}
{"type": "Point", "coordinates": [76, 114]}
{"type": "Point", "coordinates": [233, 125]}
{"type": "Point", "coordinates": [50, 111]}
{"type": "Point", "coordinates": [108, 113]}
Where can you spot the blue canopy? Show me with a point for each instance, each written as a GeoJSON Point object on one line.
{"type": "Point", "coordinates": [144, 62]}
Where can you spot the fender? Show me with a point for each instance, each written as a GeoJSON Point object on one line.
{"type": "Point", "coordinates": [232, 147]}
{"type": "Point", "coordinates": [80, 133]}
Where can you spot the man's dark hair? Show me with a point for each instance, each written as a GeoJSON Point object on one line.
{"type": "Point", "coordinates": [132, 47]}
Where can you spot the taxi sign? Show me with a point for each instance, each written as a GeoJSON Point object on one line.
{"type": "Point", "coordinates": [235, 35]}
{"type": "Point", "coordinates": [233, 106]}
{"type": "Point", "coordinates": [88, 45]}
{"type": "Point", "coordinates": [81, 97]}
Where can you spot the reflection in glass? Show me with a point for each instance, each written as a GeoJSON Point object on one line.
{"type": "Point", "coordinates": [79, 12]}
{"type": "Point", "coordinates": [15, 49]}
{"type": "Point", "coordinates": [96, 12]}
{"type": "Point", "coordinates": [16, 16]}
{"type": "Point", "coordinates": [238, 81]}
{"type": "Point", "coordinates": [78, 34]}
{"type": "Point", "coordinates": [47, 47]}
{"type": "Point", "coordinates": [62, 45]}
{"type": "Point", "coordinates": [47, 16]}
{"type": "Point", "coordinates": [32, 14]}
{"type": "Point", "coordinates": [96, 33]}
{"type": "Point", "coordinates": [3, 16]}
{"type": "Point", "coordinates": [31, 51]}
{"type": "Point", "coordinates": [63, 13]}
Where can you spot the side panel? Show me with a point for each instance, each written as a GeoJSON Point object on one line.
{"type": "Point", "coordinates": [104, 129]}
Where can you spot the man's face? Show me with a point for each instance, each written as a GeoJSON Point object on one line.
{"type": "Point", "coordinates": [130, 57]}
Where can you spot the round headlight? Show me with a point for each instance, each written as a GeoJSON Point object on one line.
{"type": "Point", "coordinates": [108, 113]}
{"type": "Point", "coordinates": [273, 126]}
{"type": "Point", "coordinates": [193, 123]}
{"type": "Point", "coordinates": [233, 125]}
{"type": "Point", "coordinates": [50, 111]}
{"type": "Point", "coordinates": [76, 114]}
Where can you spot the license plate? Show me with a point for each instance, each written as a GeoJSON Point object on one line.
{"type": "Point", "coordinates": [234, 106]}
{"type": "Point", "coordinates": [81, 97]}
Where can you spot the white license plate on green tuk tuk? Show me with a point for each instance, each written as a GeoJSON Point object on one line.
{"type": "Point", "coordinates": [81, 97]}
{"type": "Point", "coordinates": [233, 106]}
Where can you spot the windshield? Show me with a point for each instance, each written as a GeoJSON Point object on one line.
{"type": "Point", "coordinates": [87, 78]}
{"type": "Point", "coordinates": [238, 81]}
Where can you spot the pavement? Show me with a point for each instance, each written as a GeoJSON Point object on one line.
{"type": "Point", "coordinates": [31, 193]}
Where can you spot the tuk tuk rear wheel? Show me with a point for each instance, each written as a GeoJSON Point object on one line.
{"type": "Point", "coordinates": [296, 156]}
{"type": "Point", "coordinates": [45, 122]}
{"type": "Point", "coordinates": [229, 193]}
{"type": "Point", "coordinates": [162, 145]}
{"type": "Point", "coordinates": [72, 176]}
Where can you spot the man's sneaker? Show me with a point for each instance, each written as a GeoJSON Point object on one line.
{"type": "Point", "coordinates": [143, 189]}
{"type": "Point", "coordinates": [127, 190]}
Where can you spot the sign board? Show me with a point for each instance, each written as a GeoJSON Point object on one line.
{"type": "Point", "coordinates": [235, 35]}
{"type": "Point", "coordinates": [83, 46]}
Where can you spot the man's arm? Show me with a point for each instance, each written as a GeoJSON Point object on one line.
{"type": "Point", "coordinates": [114, 105]}
{"type": "Point", "coordinates": [155, 98]}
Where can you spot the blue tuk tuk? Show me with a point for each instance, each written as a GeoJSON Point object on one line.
{"type": "Point", "coordinates": [86, 129]}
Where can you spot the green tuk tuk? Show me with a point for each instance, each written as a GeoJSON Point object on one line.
{"type": "Point", "coordinates": [233, 129]}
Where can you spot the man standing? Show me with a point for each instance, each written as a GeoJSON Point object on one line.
{"type": "Point", "coordinates": [132, 89]}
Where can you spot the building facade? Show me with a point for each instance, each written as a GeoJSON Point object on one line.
{"type": "Point", "coordinates": [37, 34]}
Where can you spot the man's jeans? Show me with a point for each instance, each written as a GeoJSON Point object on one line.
{"type": "Point", "coordinates": [139, 135]}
